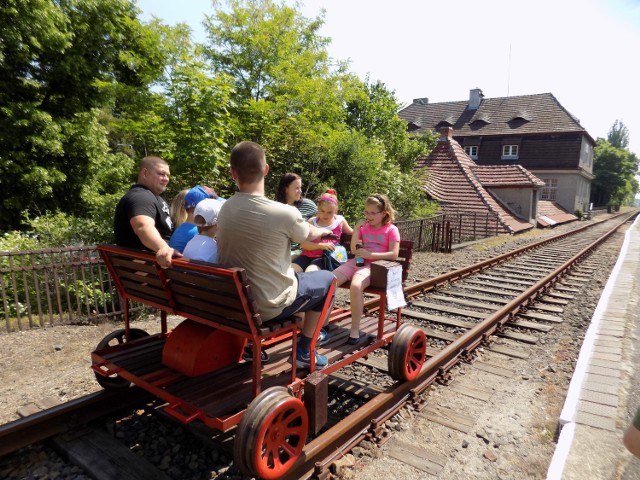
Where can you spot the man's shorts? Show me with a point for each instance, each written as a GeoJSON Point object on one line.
{"type": "Point", "coordinates": [313, 288]}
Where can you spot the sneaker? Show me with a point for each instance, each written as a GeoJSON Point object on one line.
{"type": "Point", "coordinates": [323, 338]}
{"type": "Point", "coordinates": [247, 355]}
{"type": "Point", "coordinates": [303, 360]}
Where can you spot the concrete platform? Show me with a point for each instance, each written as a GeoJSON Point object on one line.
{"type": "Point", "coordinates": [605, 389]}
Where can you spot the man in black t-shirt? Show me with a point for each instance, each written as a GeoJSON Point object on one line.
{"type": "Point", "coordinates": [142, 217]}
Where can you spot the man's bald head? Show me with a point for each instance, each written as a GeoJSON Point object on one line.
{"type": "Point", "coordinates": [154, 174]}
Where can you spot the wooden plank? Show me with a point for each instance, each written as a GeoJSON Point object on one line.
{"type": "Point", "coordinates": [482, 287]}
{"type": "Point", "coordinates": [555, 301]}
{"type": "Point", "coordinates": [419, 458]}
{"type": "Point", "coordinates": [500, 287]}
{"type": "Point", "coordinates": [447, 309]}
{"type": "Point", "coordinates": [471, 390]}
{"type": "Point", "coordinates": [521, 337]}
{"type": "Point", "coordinates": [439, 334]}
{"type": "Point", "coordinates": [106, 458]}
{"type": "Point", "coordinates": [547, 308]}
{"type": "Point", "coordinates": [495, 369]}
{"type": "Point", "coordinates": [464, 301]}
{"type": "Point", "coordinates": [485, 298]}
{"type": "Point", "coordinates": [566, 296]}
{"type": "Point", "coordinates": [541, 316]}
{"type": "Point", "coordinates": [561, 288]}
{"type": "Point", "coordinates": [509, 352]}
{"type": "Point", "coordinates": [531, 325]}
{"type": "Point", "coordinates": [437, 319]}
{"type": "Point", "coordinates": [508, 281]}
{"type": "Point", "coordinates": [379, 363]}
{"type": "Point", "coordinates": [449, 418]}
{"type": "Point", "coordinates": [354, 387]}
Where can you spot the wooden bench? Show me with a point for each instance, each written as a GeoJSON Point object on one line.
{"type": "Point", "coordinates": [219, 302]}
{"type": "Point", "coordinates": [404, 258]}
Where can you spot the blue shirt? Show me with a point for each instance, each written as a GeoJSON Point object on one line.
{"type": "Point", "coordinates": [182, 235]}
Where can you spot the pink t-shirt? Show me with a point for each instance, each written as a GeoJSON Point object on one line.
{"type": "Point", "coordinates": [378, 239]}
{"type": "Point", "coordinates": [335, 227]}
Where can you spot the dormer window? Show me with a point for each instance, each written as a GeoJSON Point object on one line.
{"type": "Point", "coordinates": [443, 123]}
{"type": "Point", "coordinates": [472, 151]}
{"type": "Point", "coordinates": [509, 152]}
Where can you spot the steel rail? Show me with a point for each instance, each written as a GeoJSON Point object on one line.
{"type": "Point", "coordinates": [52, 421]}
{"type": "Point", "coordinates": [367, 421]}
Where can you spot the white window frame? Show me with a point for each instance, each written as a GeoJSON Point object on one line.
{"type": "Point", "coordinates": [550, 189]}
{"type": "Point", "coordinates": [510, 152]}
{"type": "Point", "coordinates": [472, 151]}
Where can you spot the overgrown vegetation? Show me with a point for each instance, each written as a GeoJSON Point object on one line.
{"type": "Point", "coordinates": [87, 90]}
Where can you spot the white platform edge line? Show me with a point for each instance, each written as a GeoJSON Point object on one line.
{"type": "Point", "coordinates": [569, 408]}
{"type": "Point", "coordinates": [556, 467]}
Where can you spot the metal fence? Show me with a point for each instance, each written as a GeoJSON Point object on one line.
{"type": "Point", "coordinates": [440, 233]}
{"type": "Point", "coordinates": [58, 286]}
{"type": "Point", "coordinates": [55, 286]}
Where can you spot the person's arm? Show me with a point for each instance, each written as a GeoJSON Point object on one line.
{"type": "Point", "coordinates": [346, 228]}
{"type": "Point", "coordinates": [316, 233]}
{"type": "Point", "coordinates": [306, 245]}
{"type": "Point", "coordinates": [631, 436]}
{"type": "Point", "coordinates": [355, 236]}
{"type": "Point", "coordinates": [144, 227]}
{"type": "Point", "coordinates": [392, 254]}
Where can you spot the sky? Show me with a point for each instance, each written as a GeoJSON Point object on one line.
{"type": "Point", "coordinates": [583, 52]}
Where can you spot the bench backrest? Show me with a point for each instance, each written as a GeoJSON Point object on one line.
{"type": "Point", "coordinates": [404, 256]}
{"type": "Point", "coordinates": [191, 289]}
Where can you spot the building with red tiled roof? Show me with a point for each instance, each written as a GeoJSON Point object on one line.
{"type": "Point", "coordinates": [533, 131]}
{"type": "Point", "coordinates": [508, 191]}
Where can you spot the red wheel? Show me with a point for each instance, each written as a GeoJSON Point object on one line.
{"type": "Point", "coordinates": [271, 434]}
{"type": "Point", "coordinates": [117, 337]}
{"type": "Point", "coordinates": [407, 353]}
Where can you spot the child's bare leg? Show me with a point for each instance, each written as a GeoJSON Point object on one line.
{"type": "Point", "coordinates": [356, 295]}
{"type": "Point", "coordinates": [312, 268]}
{"type": "Point", "coordinates": [296, 268]}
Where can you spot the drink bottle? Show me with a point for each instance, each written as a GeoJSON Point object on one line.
{"type": "Point", "coordinates": [359, 260]}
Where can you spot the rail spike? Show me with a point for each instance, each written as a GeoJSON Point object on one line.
{"type": "Point", "coordinates": [444, 377]}
{"type": "Point", "coordinates": [378, 434]}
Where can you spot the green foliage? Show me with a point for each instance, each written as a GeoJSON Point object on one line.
{"type": "Point", "coordinates": [86, 90]}
{"type": "Point", "coordinates": [614, 169]}
{"type": "Point", "coordinates": [618, 135]}
{"type": "Point", "coordinates": [61, 61]}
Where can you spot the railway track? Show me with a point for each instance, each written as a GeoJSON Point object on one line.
{"type": "Point", "coordinates": [516, 296]}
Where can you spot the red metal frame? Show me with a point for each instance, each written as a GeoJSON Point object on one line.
{"type": "Point", "coordinates": [156, 382]}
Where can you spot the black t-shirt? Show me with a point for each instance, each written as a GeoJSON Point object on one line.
{"type": "Point", "coordinates": [139, 200]}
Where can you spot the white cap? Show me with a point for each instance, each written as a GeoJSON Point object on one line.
{"type": "Point", "coordinates": [208, 209]}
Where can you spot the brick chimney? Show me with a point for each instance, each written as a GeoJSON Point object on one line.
{"type": "Point", "coordinates": [446, 134]}
{"type": "Point", "coordinates": [421, 101]}
{"type": "Point", "coordinates": [475, 98]}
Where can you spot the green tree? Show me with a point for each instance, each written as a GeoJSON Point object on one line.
{"type": "Point", "coordinates": [61, 61]}
{"type": "Point", "coordinates": [618, 135]}
{"type": "Point", "coordinates": [614, 169]}
{"type": "Point", "coordinates": [310, 114]}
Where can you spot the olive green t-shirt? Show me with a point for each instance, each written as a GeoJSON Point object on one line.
{"type": "Point", "coordinates": [255, 233]}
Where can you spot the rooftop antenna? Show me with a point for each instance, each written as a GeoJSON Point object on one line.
{"type": "Point", "coordinates": [509, 70]}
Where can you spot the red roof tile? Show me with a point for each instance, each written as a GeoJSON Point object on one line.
{"type": "Point", "coordinates": [451, 179]}
{"type": "Point", "coordinates": [550, 213]}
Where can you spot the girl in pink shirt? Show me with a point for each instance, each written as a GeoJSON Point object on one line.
{"type": "Point", "coordinates": [312, 258]}
{"type": "Point", "coordinates": [374, 238]}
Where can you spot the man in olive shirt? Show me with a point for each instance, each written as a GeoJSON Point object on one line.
{"type": "Point", "coordinates": [255, 233]}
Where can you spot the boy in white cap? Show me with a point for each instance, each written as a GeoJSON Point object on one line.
{"type": "Point", "coordinates": [203, 246]}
